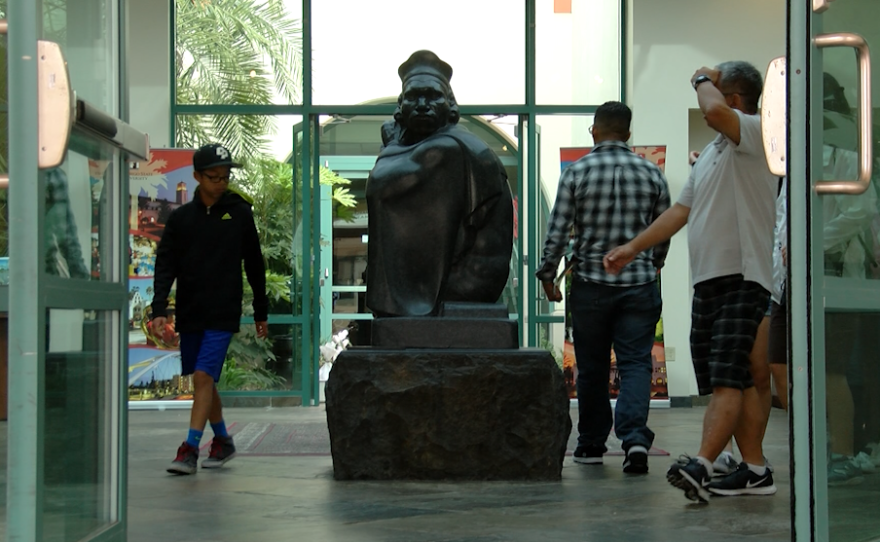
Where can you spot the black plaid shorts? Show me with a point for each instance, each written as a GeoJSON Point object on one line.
{"type": "Point", "coordinates": [724, 322]}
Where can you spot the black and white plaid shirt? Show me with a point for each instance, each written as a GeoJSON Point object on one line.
{"type": "Point", "coordinates": [610, 196]}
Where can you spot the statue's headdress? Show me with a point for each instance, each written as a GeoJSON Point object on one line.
{"type": "Point", "coordinates": [425, 63]}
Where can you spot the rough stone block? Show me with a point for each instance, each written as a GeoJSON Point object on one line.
{"type": "Point", "coordinates": [447, 414]}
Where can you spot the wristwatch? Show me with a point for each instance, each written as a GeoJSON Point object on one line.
{"type": "Point", "coordinates": [700, 80]}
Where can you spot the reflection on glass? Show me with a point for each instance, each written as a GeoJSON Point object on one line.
{"type": "Point", "coordinates": [4, 161]}
{"type": "Point", "coordinates": [79, 217]}
{"type": "Point", "coordinates": [850, 231]}
{"type": "Point", "coordinates": [852, 251]}
{"type": "Point", "coordinates": [87, 34]}
{"type": "Point", "coordinates": [80, 377]}
{"type": "Point", "coordinates": [257, 67]}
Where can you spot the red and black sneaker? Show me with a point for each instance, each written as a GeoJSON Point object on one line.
{"type": "Point", "coordinates": [222, 450]}
{"type": "Point", "coordinates": [187, 460]}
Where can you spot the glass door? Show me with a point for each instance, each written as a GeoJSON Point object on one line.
{"type": "Point", "coordinates": [834, 247]}
{"type": "Point", "coordinates": [68, 260]}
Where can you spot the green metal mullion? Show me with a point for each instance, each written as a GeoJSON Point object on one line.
{"type": "Point", "coordinates": [307, 55]}
{"type": "Point", "coordinates": [262, 393]}
{"type": "Point", "coordinates": [172, 72]}
{"type": "Point", "coordinates": [805, 340]}
{"type": "Point", "coordinates": [120, 341]}
{"type": "Point", "coordinates": [346, 110]}
{"type": "Point", "coordinates": [522, 287]}
{"type": "Point", "coordinates": [122, 202]}
{"type": "Point", "coordinates": [623, 49]}
{"type": "Point", "coordinates": [59, 293]}
{"type": "Point", "coordinates": [113, 533]}
{"type": "Point", "coordinates": [316, 260]}
{"type": "Point", "coordinates": [532, 179]}
{"type": "Point", "coordinates": [239, 109]}
{"type": "Point", "coordinates": [26, 358]}
{"type": "Point", "coordinates": [274, 319]}
{"type": "Point", "coordinates": [378, 110]}
{"type": "Point", "coordinates": [532, 243]}
{"type": "Point", "coordinates": [306, 283]}
{"type": "Point", "coordinates": [531, 33]}
{"type": "Point", "coordinates": [547, 319]}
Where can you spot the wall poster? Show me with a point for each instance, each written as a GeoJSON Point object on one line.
{"type": "Point", "coordinates": [659, 389]}
{"type": "Point", "coordinates": [157, 187]}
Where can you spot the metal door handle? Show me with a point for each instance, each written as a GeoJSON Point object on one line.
{"type": "Point", "coordinates": [863, 56]}
{"type": "Point", "coordinates": [774, 127]}
{"type": "Point", "coordinates": [56, 103]}
{"type": "Point", "coordinates": [821, 5]}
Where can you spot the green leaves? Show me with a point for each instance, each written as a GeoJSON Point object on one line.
{"type": "Point", "coordinates": [235, 52]}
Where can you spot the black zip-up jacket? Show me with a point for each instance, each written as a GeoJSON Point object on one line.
{"type": "Point", "coordinates": [203, 247]}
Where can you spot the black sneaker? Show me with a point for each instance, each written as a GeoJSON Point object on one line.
{"type": "Point", "coordinates": [689, 475]}
{"type": "Point", "coordinates": [588, 455]}
{"type": "Point", "coordinates": [222, 450]}
{"type": "Point", "coordinates": [636, 463]}
{"type": "Point", "coordinates": [744, 482]}
{"type": "Point", "coordinates": [187, 460]}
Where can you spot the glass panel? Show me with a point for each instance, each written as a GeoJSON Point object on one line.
{"type": "Point", "coordinates": [262, 365]}
{"type": "Point", "coordinates": [851, 246]}
{"type": "Point", "coordinates": [80, 213]}
{"type": "Point", "coordinates": [562, 141]}
{"type": "Point", "coordinates": [349, 146]}
{"type": "Point", "coordinates": [475, 38]}
{"type": "Point", "coordinates": [80, 437]}
{"type": "Point", "coordinates": [262, 65]}
{"type": "Point", "coordinates": [87, 32]}
{"type": "Point", "coordinates": [4, 169]}
{"type": "Point", "coordinates": [264, 145]}
{"type": "Point", "coordinates": [578, 52]}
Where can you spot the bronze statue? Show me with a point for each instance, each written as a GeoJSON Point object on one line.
{"type": "Point", "coordinates": [440, 208]}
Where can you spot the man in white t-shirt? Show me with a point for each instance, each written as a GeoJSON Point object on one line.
{"type": "Point", "coordinates": [729, 203]}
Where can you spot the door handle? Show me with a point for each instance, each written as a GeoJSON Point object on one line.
{"type": "Point", "coordinates": [774, 127]}
{"type": "Point", "coordinates": [866, 159]}
{"type": "Point", "coordinates": [821, 5]}
{"type": "Point", "coordinates": [56, 102]}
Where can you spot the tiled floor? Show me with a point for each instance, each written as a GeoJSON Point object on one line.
{"type": "Point", "coordinates": [287, 498]}
{"type": "Point", "coordinates": [296, 498]}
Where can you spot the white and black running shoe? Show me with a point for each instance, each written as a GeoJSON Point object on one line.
{"type": "Point", "coordinates": [743, 481]}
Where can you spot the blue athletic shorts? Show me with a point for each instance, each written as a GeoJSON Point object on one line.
{"type": "Point", "coordinates": [204, 351]}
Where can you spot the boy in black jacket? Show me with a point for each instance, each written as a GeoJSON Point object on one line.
{"type": "Point", "coordinates": [202, 247]}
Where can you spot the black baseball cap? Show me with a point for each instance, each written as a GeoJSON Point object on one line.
{"type": "Point", "coordinates": [212, 155]}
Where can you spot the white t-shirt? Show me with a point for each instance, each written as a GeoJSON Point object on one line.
{"type": "Point", "coordinates": [731, 195]}
{"type": "Point", "coordinates": [781, 239]}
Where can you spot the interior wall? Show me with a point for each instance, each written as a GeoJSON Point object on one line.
{"type": "Point", "coordinates": [148, 70]}
{"type": "Point", "coordinates": [667, 42]}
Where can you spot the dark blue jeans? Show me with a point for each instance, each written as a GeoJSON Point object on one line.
{"type": "Point", "coordinates": [625, 317]}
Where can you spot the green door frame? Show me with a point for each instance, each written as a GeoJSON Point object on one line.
{"type": "Point", "coordinates": [528, 112]}
{"type": "Point", "coordinates": [803, 375]}
{"type": "Point", "coordinates": [36, 291]}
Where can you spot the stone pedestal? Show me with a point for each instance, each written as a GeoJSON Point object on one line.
{"type": "Point", "coordinates": [459, 325]}
{"type": "Point", "coordinates": [447, 414]}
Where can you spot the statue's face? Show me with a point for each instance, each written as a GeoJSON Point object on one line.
{"type": "Point", "coordinates": [424, 106]}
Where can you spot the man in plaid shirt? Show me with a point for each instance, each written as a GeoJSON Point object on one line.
{"type": "Point", "coordinates": [610, 196]}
